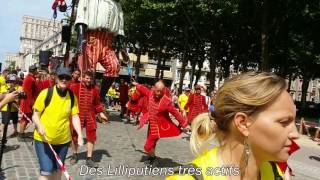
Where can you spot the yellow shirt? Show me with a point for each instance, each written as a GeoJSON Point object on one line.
{"type": "Point", "coordinates": [112, 92]}
{"type": "Point", "coordinates": [209, 166]}
{"type": "Point", "coordinates": [183, 99]}
{"type": "Point", "coordinates": [5, 89]}
{"type": "Point", "coordinates": [56, 117]}
{"type": "Point", "coordinates": [3, 83]}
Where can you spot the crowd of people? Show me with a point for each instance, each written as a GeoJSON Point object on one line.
{"type": "Point", "coordinates": [227, 115]}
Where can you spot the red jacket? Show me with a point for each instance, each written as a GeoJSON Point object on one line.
{"type": "Point", "coordinates": [197, 105]}
{"type": "Point", "coordinates": [89, 104]}
{"type": "Point", "coordinates": [160, 124]}
{"type": "Point", "coordinates": [29, 86]}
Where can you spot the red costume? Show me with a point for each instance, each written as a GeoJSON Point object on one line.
{"type": "Point", "coordinates": [196, 105]}
{"type": "Point", "coordinates": [89, 105]}
{"type": "Point", "coordinates": [29, 86]}
{"type": "Point", "coordinates": [160, 124]}
{"type": "Point", "coordinates": [133, 104]}
{"type": "Point", "coordinates": [44, 84]}
{"type": "Point", "coordinates": [123, 98]}
{"type": "Point", "coordinates": [283, 165]}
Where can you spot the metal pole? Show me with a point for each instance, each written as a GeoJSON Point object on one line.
{"type": "Point", "coordinates": [4, 136]}
{"type": "Point", "coordinates": [72, 20]}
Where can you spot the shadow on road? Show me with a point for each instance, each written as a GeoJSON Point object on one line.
{"type": "Point", "coordinates": [10, 148]}
{"type": "Point", "coordinates": [97, 155]}
{"type": "Point", "coordinates": [317, 158]}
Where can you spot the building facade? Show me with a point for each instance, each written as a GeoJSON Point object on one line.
{"type": "Point", "coordinates": [34, 30]}
{"type": "Point", "coordinates": [12, 61]}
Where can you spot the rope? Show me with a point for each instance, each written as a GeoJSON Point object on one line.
{"type": "Point", "coordinates": [58, 159]}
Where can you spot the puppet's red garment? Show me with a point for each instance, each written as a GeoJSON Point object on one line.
{"type": "Point", "coordinates": [29, 86]}
{"type": "Point", "coordinates": [57, 3]}
{"type": "Point", "coordinates": [160, 124]}
{"type": "Point", "coordinates": [89, 105]}
{"type": "Point", "coordinates": [294, 147]}
{"type": "Point", "coordinates": [196, 105]}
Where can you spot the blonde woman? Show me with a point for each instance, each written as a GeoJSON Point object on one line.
{"type": "Point", "coordinates": [253, 122]}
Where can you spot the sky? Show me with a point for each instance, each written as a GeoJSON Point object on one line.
{"type": "Point", "coordinates": [11, 14]}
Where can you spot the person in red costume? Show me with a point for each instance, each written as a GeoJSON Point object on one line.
{"type": "Point", "coordinates": [49, 81]}
{"type": "Point", "coordinates": [133, 107]}
{"type": "Point", "coordinates": [124, 97]}
{"type": "Point", "coordinates": [89, 105]}
{"type": "Point", "coordinates": [75, 76]}
{"type": "Point", "coordinates": [160, 124]}
{"type": "Point", "coordinates": [284, 165]}
{"type": "Point", "coordinates": [196, 104]}
{"type": "Point", "coordinates": [29, 86]}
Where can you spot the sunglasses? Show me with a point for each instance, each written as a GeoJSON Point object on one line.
{"type": "Point", "coordinates": [64, 77]}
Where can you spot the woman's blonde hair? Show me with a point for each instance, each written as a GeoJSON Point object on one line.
{"type": "Point", "coordinates": [248, 93]}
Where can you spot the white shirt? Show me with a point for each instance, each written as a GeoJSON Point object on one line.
{"type": "Point", "coordinates": [101, 14]}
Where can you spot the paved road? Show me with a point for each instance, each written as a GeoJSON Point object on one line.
{"type": "Point", "coordinates": [121, 145]}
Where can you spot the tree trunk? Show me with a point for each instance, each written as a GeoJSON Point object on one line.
{"type": "Point", "coordinates": [265, 37]}
{"type": "Point", "coordinates": [289, 83]}
{"type": "Point", "coordinates": [193, 64]}
{"type": "Point", "coordinates": [163, 65]}
{"type": "Point", "coordinates": [183, 71]}
{"type": "Point", "coordinates": [304, 89]}
{"type": "Point", "coordinates": [198, 74]}
{"type": "Point", "coordinates": [212, 73]}
{"type": "Point", "coordinates": [158, 64]}
{"type": "Point", "coordinates": [137, 68]}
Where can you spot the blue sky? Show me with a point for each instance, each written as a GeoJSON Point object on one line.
{"type": "Point", "coordinates": [11, 14]}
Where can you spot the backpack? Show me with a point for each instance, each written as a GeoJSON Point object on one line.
{"type": "Point", "coordinates": [49, 97]}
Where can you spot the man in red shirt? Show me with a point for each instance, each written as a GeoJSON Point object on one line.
{"type": "Point", "coordinates": [196, 104]}
{"type": "Point", "coordinates": [75, 76]}
{"type": "Point", "coordinates": [89, 105]}
{"type": "Point", "coordinates": [29, 86]}
{"type": "Point", "coordinates": [160, 124]}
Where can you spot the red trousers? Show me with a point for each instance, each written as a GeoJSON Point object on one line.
{"type": "Point", "coordinates": [91, 135]}
{"type": "Point", "coordinates": [24, 119]}
{"type": "Point", "coordinates": [150, 144]}
{"type": "Point", "coordinates": [99, 49]}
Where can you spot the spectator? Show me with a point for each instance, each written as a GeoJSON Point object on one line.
{"type": "Point", "coordinates": [53, 124]}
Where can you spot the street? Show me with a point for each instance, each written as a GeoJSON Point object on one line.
{"type": "Point", "coordinates": [120, 145]}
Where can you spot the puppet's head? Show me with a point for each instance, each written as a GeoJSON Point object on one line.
{"type": "Point", "coordinates": [60, 4]}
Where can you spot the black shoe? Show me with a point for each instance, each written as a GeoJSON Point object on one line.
{"type": "Point", "coordinates": [74, 159]}
{"type": "Point", "coordinates": [91, 163]}
{"type": "Point", "coordinates": [150, 161]}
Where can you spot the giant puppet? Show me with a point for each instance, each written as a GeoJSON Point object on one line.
{"type": "Point", "coordinates": [98, 23]}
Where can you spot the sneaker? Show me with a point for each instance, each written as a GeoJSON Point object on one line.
{"type": "Point", "coordinates": [91, 163]}
{"type": "Point", "coordinates": [74, 159]}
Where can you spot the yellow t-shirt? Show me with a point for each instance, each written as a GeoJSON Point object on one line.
{"type": "Point", "coordinates": [3, 83]}
{"type": "Point", "coordinates": [111, 92]}
{"type": "Point", "coordinates": [5, 90]}
{"type": "Point", "coordinates": [210, 167]}
{"type": "Point", "coordinates": [56, 117]}
{"type": "Point", "coordinates": [183, 99]}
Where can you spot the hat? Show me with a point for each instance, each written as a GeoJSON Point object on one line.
{"type": "Point", "coordinates": [32, 68]}
{"type": "Point", "coordinates": [187, 89]}
{"type": "Point", "coordinates": [63, 71]}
